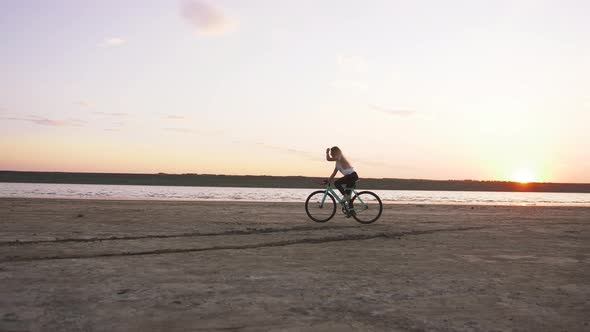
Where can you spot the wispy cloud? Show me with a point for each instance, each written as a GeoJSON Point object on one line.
{"type": "Point", "coordinates": [112, 42]}
{"type": "Point", "coordinates": [206, 19]}
{"type": "Point", "coordinates": [174, 117]}
{"type": "Point", "coordinates": [396, 112]}
{"type": "Point", "coordinates": [121, 115]}
{"type": "Point", "coordinates": [43, 121]}
{"type": "Point", "coordinates": [300, 153]}
{"type": "Point", "coordinates": [116, 126]}
{"type": "Point", "coordinates": [84, 103]}
{"type": "Point", "coordinates": [318, 156]}
{"type": "Point", "coordinates": [201, 131]}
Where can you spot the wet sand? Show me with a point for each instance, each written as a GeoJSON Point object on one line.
{"type": "Point", "coordinates": [89, 265]}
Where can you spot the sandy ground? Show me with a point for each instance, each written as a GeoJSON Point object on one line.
{"type": "Point", "coordinates": [81, 265]}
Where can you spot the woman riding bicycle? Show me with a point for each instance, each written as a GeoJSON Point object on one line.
{"type": "Point", "coordinates": [350, 177]}
{"type": "Point", "coordinates": [321, 205]}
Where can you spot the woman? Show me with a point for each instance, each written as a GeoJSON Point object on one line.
{"type": "Point", "coordinates": [350, 177]}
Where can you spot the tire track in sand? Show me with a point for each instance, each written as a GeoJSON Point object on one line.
{"type": "Point", "coordinates": [169, 236]}
{"type": "Point", "coordinates": [282, 243]}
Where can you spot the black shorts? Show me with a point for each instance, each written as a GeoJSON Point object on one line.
{"type": "Point", "coordinates": [348, 180]}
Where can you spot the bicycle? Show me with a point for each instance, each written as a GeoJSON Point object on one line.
{"type": "Point", "coordinates": [320, 205]}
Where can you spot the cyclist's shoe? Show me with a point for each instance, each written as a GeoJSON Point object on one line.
{"type": "Point", "coordinates": [345, 211]}
{"type": "Point", "coordinates": [349, 205]}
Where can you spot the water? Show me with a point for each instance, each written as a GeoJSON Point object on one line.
{"type": "Point", "coordinates": [88, 191]}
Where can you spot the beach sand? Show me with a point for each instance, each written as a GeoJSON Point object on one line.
{"type": "Point", "coordinates": [90, 265]}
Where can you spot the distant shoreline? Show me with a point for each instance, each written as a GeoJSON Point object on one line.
{"type": "Point", "coordinates": [263, 181]}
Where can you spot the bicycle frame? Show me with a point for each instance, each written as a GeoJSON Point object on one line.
{"type": "Point", "coordinates": [330, 189]}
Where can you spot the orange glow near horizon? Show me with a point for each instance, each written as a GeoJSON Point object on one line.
{"type": "Point", "coordinates": [523, 175]}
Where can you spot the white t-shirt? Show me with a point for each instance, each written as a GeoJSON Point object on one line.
{"type": "Point", "coordinates": [342, 170]}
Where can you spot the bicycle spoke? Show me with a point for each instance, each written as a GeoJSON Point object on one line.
{"type": "Point", "coordinates": [367, 207]}
{"type": "Point", "coordinates": [320, 206]}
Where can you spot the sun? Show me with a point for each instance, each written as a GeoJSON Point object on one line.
{"type": "Point", "coordinates": [523, 175]}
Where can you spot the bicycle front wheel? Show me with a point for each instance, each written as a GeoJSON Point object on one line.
{"type": "Point", "coordinates": [320, 206]}
{"type": "Point", "coordinates": [367, 207]}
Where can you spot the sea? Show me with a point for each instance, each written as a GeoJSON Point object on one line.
{"type": "Point", "coordinates": [180, 193]}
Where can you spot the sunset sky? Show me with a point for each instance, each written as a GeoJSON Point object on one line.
{"type": "Point", "coordinates": [489, 90]}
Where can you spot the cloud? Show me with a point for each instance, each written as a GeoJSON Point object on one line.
{"type": "Point", "coordinates": [207, 19]}
{"type": "Point", "coordinates": [175, 117]}
{"type": "Point", "coordinates": [42, 121]}
{"type": "Point", "coordinates": [112, 42]}
{"type": "Point", "coordinates": [84, 103]}
{"type": "Point", "coordinates": [303, 154]}
{"type": "Point", "coordinates": [396, 112]}
{"type": "Point", "coordinates": [201, 131]}
{"type": "Point", "coordinates": [114, 114]}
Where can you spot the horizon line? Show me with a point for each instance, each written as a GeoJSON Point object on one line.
{"type": "Point", "coordinates": [302, 176]}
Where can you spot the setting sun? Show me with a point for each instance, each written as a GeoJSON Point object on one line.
{"type": "Point", "coordinates": [523, 176]}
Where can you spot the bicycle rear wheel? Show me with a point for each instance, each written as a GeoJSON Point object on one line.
{"type": "Point", "coordinates": [367, 207]}
{"type": "Point", "coordinates": [320, 207]}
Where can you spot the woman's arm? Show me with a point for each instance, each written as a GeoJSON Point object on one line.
{"type": "Point", "coordinates": [333, 175]}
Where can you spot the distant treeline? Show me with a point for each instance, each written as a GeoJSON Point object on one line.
{"type": "Point", "coordinates": [209, 180]}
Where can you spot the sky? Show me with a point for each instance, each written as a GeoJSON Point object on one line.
{"type": "Point", "coordinates": [472, 89]}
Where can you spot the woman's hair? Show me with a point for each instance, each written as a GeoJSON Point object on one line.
{"type": "Point", "coordinates": [335, 149]}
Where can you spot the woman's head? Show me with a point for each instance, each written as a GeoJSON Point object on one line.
{"type": "Point", "coordinates": [335, 151]}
